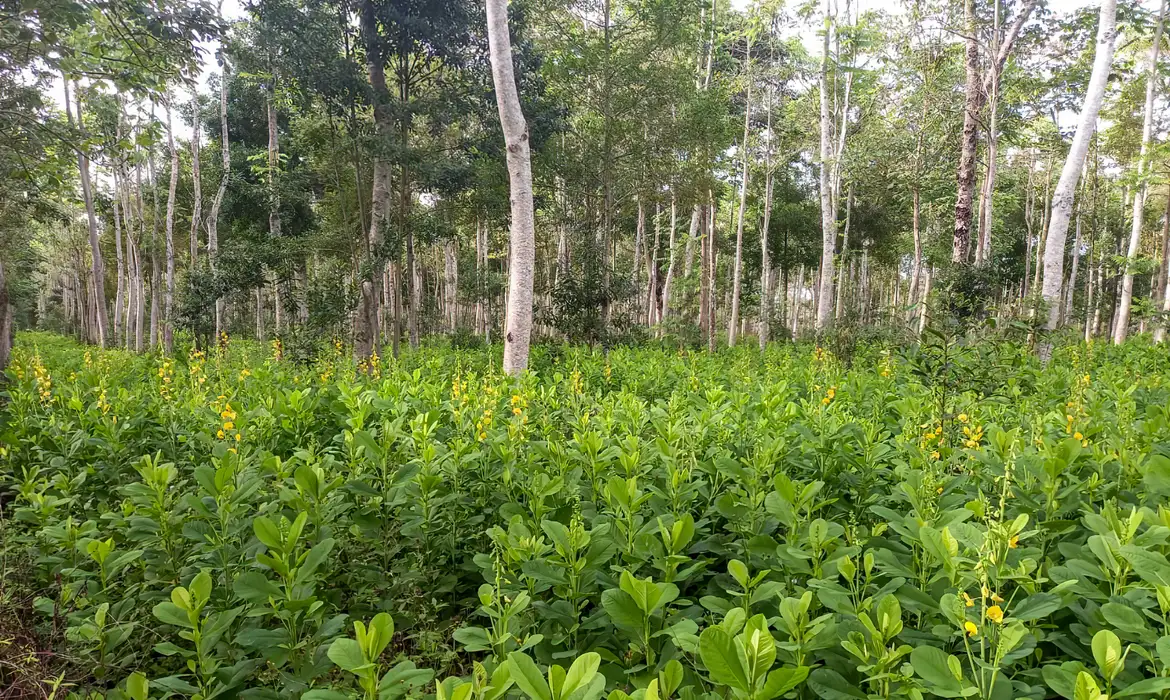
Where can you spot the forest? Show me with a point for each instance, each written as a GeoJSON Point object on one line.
{"type": "Point", "coordinates": [584, 349]}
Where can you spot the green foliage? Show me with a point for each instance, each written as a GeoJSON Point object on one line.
{"type": "Point", "coordinates": [640, 524]}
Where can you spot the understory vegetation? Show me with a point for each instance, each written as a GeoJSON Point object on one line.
{"type": "Point", "coordinates": [946, 520]}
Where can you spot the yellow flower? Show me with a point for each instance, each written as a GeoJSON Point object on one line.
{"type": "Point", "coordinates": [995, 614]}
{"type": "Point", "coordinates": [1077, 436]}
{"type": "Point", "coordinates": [1013, 542]}
{"type": "Point", "coordinates": [229, 425]}
{"type": "Point", "coordinates": [968, 601]}
{"type": "Point", "coordinates": [996, 599]}
{"type": "Point", "coordinates": [972, 630]}
{"type": "Point", "coordinates": [219, 434]}
{"type": "Point", "coordinates": [237, 437]}
{"type": "Point", "coordinates": [934, 455]}
{"type": "Point", "coordinates": [962, 417]}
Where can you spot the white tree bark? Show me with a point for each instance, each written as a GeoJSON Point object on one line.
{"type": "Point", "coordinates": [196, 179]}
{"type": "Point", "coordinates": [1062, 199]}
{"type": "Point", "coordinates": [169, 295]}
{"type": "Point", "coordinates": [1139, 199]}
{"type": "Point", "coordinates": [98, 267]}
{"type": "Point", "coordinates": [828, 219]}
{"type": "Point", "coordinates": [737, 267]}
{"type": "Point", "coordinates": [518, 321]}
{"type": "Point", "coordinates": [213, 217]}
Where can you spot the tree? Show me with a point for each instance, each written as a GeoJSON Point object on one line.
{"type": "Point", "coordinates": [1139, 197]}
{"type": "Point", "coordinates": [1065, 192]}
{"type": "Point", "coordinates": [518, 324]}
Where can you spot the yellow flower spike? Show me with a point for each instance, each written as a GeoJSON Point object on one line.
{"type": "Point", "coordinates": [995, 614]}
{"type": "Point", "coordinates": [229, 425]}
{"type": "Point", "coordinates": [1013, 542]}
{"type": "Point", "coordinates": [972, 630]}
{"type": "Point", "coordinates": [968, 601]}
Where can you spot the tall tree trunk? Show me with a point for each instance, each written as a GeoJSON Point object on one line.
{"type": "Point", "coordinates": [765, 259]}
{"type": "Point", "coordinates": [1139, 198]}
{"type": "Point", "coordinates": [1070, 293]}
{"type": "Point", "coordinates": [169, 297]}
{"type": "Point", "coordinates": [964, 199]}
{"type": "Point", "coordinates": [451, 283]}
{"type": "Point", "coordinates": [843, 277]}
{"type": "Point", "coordinates": [916, 230]}
{"type": "Point", "coordinates": [480, 277]}
{"type": "Point", "coordinates": [155, 268]}
{"type": "Point", "coordinates": [652, 308]}
{"type": "Point", "coordinates": [828, 217]}
{"type": "Point", "coordinates": [95, 248]}
{"type": "Point", "coordinates": [797, 292]}
{"type": "Point", "coordinates": [213, 219]}
{"type": "Point", "coordinates": [1161, 292]}
{"type": "Point", "coordinates": [140, 322]}
{"type": "Point", "coordinates": [368, 319]}
{"type": "Point", "coordinates": [274, 227]}
{"type": "Point", "coordinates": [6, 334]}
{"type": "Point", "coordinates": [119, 295]}
{"type": "Point", "coordinates": [692, 237]}
{"type": "Point", "coordinates": [668, 284]}
{"type": "Point", "coordinates": [1062, 199]}
{"type": "Point", "coordinates": [518, 323]}
{"type": "Point", "coordinates": [196, 179]}
{"type": "Point", "coordinates": [737, 265]}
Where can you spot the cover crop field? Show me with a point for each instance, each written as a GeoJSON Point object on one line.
{"type": "Point", "coordinates": [945, 521]}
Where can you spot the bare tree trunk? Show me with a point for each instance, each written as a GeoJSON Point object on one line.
{"type": "Point", "coordinates": [155, 269]}
{"type": "Point", "coordinates": [518, 323]}
{"type": "Point", "coordinates": [668, 284]}
{"type": "Point", "coordinates": [1062, 199]}
{"type": "Point", "coordinates": [828, 217]}
{"type": "Point", "coordinates": [213, 219]}
{"type": "Point", "coordinates": [6, 334]}
{"type": "Point", "coordinates": [451, 283]}
{"type": "Point", "coordinates": [923, 309]}
{"type": "Point", "coordinates": [480, 273]}
{"type": "Point", "coordinates": [652, 308]}
{"type": "Point", "coordinates": [119, 296]}
{"type": "Point", "coordinates": [737, 265]}
{"type": "Point", "coordinates": [1070, 293]}
{"type": "Point", "coordinates": [692, 236]}
{"type": "Point", "coordinates": [98, 269]}
{"type": "Point", "coordinates": [274, 223]}
{"type": "Point", "coordinates": [765, 259]}
{"type": "Point", "coordinates": [169, 297]}
{"type": "Point", "coordinates": [140, 312]}
{"type": "Point", "coordinates": [1139, 198]}
{"type": "Point", "coordinates": [712, 270]}
{"type": "Point", "coordinates": [1161, 291]}
{"type": "Point", "coordinates": [964, 199]}
{"type": "Point", "coordinates": [797, 291]}
{"type": "Point", "coordinates": [368, 318]}
{"type": "Point", "coordinates": [916, 230]}
{"type": "Point", "coordinates": [843, 277]}
{"type": "Point", "coordinates": [196, 179]}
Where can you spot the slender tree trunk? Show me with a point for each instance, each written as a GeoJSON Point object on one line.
{"type": "Point", "coordinates": [6, 325]}
{"type": "Point", "coordinates": [1161, 291]}
{"type": "Point", "coordinates": [843, 277]}
{"type": "Point", "coordinates": [274, 223]}
{"type": "Point", "coordinates": [213, 219]}
{"type": "Point", "coordinates": [480, 277]}
{"type": "Point", "coordinates": [169, 296]}
{"type": "Point", "coordinates": [1070, 293]}
{"type": "Point", "coordinates": [196, 179]}
{"type": "Point", "coordinates": [916, 230]}
{"type": "Point", "coordinates": [451, 283]}
{"type": "Point", "coordinates": [765, 259]}
{"type": "Point", "coordinates": [98, 268]}
{"type": "Point", "coordinates": [828, 218]}
{"type": "Point", "coordinates": [140, 322]}
{"type": "Point", "coordinates": [652, 307]}
{"type": "Point", "coordinates": [737, 266]}
{"type": "Point", "coordinates": [923, 309]}
{"type": "Point", "coordinates": [692, 237]}
{"type": "Point", "coordinates": [964, 199]}
{"type": "Point", "coordinates": [797, 292]}
{"type": "Point", "coordinates": [155, 268]}
{"type": "Point", "coordinates": [119, 295]}
{"type": "Point", "coordinates": [1139, 198]}
{"type": "Point", "coordinates": [668, 284]}
{"type": "Point", "coordinates": [1066, 188]}
{"type": "Point", "coordinates": [518, 323]}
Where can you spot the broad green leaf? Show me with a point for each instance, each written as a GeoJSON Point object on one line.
{"type": "Point", "coordinates": [528, 677]}
{"type": "Point", "coordinates": [719, 655]}
{"type": "Point", "coordinates": [580, 673]}
{"type": "Point", "coordinates": [347, 654]}
{"type": "Point", "coordinates": [1035, 607]}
